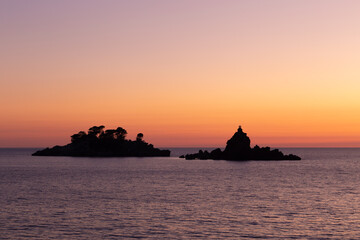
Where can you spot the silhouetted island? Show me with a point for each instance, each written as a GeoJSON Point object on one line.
{"type": "Point", "coordinates": [108, 143]}
{"type": "Point", "coordinates": [238, 149]}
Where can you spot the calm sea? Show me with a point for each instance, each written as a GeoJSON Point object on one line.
{"type": "Point", "coordinates": [117, 198]}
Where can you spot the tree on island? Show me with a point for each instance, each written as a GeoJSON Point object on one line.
{"type": "Point", "coordinates": [104, 143]}
{"type": "Point", "coordinates": [238, 149]}
{"type": "Point", "coordinates": [96, 130]}
{"type": "Point", "coordinates": [139, 137]}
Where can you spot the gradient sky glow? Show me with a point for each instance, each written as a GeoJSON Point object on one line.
{"type": "Point", "coordinates": [185, 73]}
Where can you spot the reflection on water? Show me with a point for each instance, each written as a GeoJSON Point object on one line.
{"type": "Point", "coordinates": [88, 198]}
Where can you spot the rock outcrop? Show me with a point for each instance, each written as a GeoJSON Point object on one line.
{"type": "Point", "coordinates": [238, 149]}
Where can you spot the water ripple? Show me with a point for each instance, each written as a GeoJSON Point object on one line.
{"type": "Point", "coordinates": [70, 198]}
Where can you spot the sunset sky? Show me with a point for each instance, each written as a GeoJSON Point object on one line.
{"type": "Point", "coordinates": [184, 73]}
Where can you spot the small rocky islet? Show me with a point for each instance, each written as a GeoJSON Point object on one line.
{"type": "Point", "coordinates": [238, 149]}
{"type": "Point", "coordinates": [98, 142]}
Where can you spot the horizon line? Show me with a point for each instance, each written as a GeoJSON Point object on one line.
{"type": "Point", "coordinates": [175, 147]}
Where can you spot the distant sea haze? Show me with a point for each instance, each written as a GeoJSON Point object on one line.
{"type": "Point", "coordinates": [172, 198]}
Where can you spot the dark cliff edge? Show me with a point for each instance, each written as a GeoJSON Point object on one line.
{"type": "Point", "coordinates": [238, 149]}
{"type": "Point", "coordinates": [108, 143]}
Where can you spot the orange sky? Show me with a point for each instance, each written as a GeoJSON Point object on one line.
{"type": "Point", "coordinates": [185, 73]}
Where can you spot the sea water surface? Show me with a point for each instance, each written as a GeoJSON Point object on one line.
{"type": "Point", "coordinates": [123, 198]}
